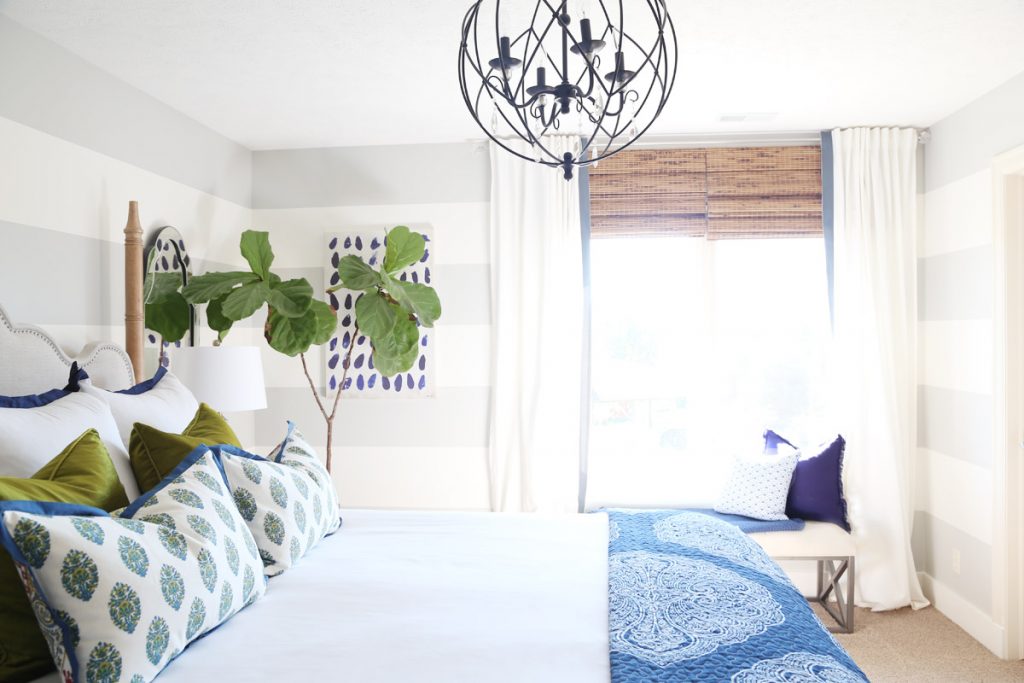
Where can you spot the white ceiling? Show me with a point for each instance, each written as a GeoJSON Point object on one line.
{"type": "Point", "coordinates": [310, 73]}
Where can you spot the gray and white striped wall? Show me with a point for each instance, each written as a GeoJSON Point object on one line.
{"type": "Point", "coordinates": [419, 453]}
{"type": "Point", "coordinates": [953, 522]}
{"type": "Point", "coordinates": [76, 144]}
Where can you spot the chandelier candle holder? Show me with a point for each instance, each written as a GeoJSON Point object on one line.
{"type": "Point", "coordinates": [599, 71]}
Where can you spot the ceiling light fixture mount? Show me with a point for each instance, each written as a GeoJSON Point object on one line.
{"type": "Point", "coordinates": [553, 42]}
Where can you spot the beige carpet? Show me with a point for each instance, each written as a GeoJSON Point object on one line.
{"type": "Point", "coordinates": [908, 646]}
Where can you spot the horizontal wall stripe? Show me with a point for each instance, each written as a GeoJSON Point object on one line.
{"type": "Point", "coordinates": [42, 273]}
{"type": "Point", "coordinates": [412, 478]}
{"type": "Point", "coordinates": [461, 229]}
{"type": "Point", "coordinates": [49, 88]}
{"type": "Point", "coordinates": [956, 286]}
{"type": "Point", "coordinates": [462, 357]}
{"type": "Point", "coordinates": [956, 354]}
{"type": "Point", "coordinates": [966, 141]}
{"type": "Point", "coordinates": [955, 423]}
{"type": "Point", "coordinates": [934, 543]}
{"type": "Point", "coordinates": [58, 185]}
{"type": "Point", "coordinates": [389, 174]}
{"type": "Point", "coordinates": [455, 417]}
{"type": "Point", "coordinates": [958, 215]}
{"type": "Point", "coordinates": [949, 488]}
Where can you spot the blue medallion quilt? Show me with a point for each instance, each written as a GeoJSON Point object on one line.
{"type": "Point", "coordinates": [692, 599]}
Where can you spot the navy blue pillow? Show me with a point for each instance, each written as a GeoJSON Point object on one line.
{"type": "Point", "coordinates": [816, 490]}
{"type": "Point", "coordinates": [37, 400]}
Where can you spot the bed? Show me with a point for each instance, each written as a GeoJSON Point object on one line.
{"type": "Point", "coordinates": [622, 596]}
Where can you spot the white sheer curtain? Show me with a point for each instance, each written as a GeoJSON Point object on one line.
{"type": "Point", "coordinates": [537, 315]}
{"type": "Point", "coordinates": [875, 173]}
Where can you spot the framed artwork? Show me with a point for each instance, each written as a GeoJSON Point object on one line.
{"type": "Point", "coordinates": [166, 253]}
{"type": "Point", "coordinates": [362, 380]}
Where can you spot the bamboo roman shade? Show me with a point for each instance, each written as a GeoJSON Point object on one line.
{"type": "Point", "coordinates": [717, 193]}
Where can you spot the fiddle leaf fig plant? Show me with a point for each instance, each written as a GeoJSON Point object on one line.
{"type": "Point", "coordinates": [390, 309]}
{"type": "Point", "coordinates": [295, 320]}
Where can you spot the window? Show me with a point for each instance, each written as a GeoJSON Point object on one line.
{"type": "Point", "coordinates": [709, 317]}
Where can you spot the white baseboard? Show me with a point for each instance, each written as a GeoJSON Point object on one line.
{"type": "Point", "coordinates": [978, 625]}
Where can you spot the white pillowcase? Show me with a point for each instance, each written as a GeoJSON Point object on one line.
{"type": "Point", "coordinates": [758, 487]}
{"type": "Point", "coordinates": [31, 437]}
{"type": "Point", "coordinates": [118, 598]}
{"type": "Point", "coordinates": [168, 405]}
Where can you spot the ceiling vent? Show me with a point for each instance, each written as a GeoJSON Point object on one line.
{"type": "Point", "coordinates": [760, 117]}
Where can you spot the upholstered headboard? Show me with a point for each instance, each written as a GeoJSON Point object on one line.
{"type": "Point", "coordinates": [31, 362]}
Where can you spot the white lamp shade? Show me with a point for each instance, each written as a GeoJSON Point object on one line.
{"type": "Point", "coordinates": [227, 378]}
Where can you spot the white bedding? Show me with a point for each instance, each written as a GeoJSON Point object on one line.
{"type": "Point", "coordinates": [425, 596]}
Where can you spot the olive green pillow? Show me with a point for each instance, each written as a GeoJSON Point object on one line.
{"type": "Point", "coordinates": [82, 474]}
{"type": "Point", "coordinates": [155, 453]}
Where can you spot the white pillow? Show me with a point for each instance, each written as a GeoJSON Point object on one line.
{"type": "Point", "coordinates": [289, 503]}
{"type": "Point", "coordinates": [758, 487]}
{"type": "Point", "coordinates": [162, 402]}
{"type": "Point", "coordinates": [118, 598]}
{"type": "Point", "coordinates": [31, 437]}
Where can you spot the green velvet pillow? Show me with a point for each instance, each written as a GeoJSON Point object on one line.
{"type": "Point", "coordinates": [155, 453]}
{"type": "Point", "coordinates": [83, 474]}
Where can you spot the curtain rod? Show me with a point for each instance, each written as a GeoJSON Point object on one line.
{"type": "Point", "coordinates": [758, 139]}
{"type": "Point", "coordinates": [738, 139]}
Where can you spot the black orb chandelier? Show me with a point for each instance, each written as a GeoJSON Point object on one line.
{"type": "Point", "coordinates": [600, 71]}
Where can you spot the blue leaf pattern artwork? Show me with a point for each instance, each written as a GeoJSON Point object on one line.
{"type": "Point", "coordinates": [362, 378]}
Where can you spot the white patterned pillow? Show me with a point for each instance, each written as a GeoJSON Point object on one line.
{"type": "Point", "coordinates": [119, 597]}
{"type": "Point", "coordinates": [289, 504]}
{"type": "Point", "coordinates": [758, 487]}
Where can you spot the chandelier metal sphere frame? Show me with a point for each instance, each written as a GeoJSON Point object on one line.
{"type": "Point", "coordinates": [550, 77]}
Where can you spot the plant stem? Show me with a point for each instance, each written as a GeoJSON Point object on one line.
{"type": "Point", "coordinates": [329, 417]}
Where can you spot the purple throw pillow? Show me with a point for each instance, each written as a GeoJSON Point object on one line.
{"type": "Point", "coordinates": [816, 490]}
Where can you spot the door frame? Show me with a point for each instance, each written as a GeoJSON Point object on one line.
{"type": "Point", "coordinates": [1008, 389]}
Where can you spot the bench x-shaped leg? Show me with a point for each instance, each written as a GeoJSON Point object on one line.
{"type": "Point", "coordinates": [830, 571]}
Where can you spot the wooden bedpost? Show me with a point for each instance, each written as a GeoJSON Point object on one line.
{"type": "Point", "coordinates": [134, 320]}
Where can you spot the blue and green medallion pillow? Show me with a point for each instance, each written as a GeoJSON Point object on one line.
{"type": "Point", "coordinates": [119, 597]}
{"type": "Point", "coordinates": [288, 502]}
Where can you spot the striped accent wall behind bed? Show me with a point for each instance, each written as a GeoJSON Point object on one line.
{"type": "Point", "coordinates": [390, 452]}
{"type": "Point", "coordinates": [76, 144]}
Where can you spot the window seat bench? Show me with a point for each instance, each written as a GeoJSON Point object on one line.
{"type": "Point", "coordinates": [834, 551]}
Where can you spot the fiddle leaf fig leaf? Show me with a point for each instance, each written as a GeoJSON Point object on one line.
{"type": "Point", "coordinates": [159, 286]}
{"type": "Point", "coordinates": [203, 288]}
{"type": "Point", "coordinates": [326, 322]}
{"type": "Point", "coordinates": [169, 316]}
{"type": "Point", "coordinates": [216, 319]}
{"type": "Point", "coordinates": [396, 352]}
{"type": "Point", "coordinates": [404, 248]}
{"type": "Point", "coordinates": [244, 301]}
{"type": "Point", "coordinates": [420, 300]}
{"type": "Point", "coordinates": [291, 297]}
{"type": "Point", "coordinates": [356, 275]}
{"type": "Point", "coordinates": [292, 336]}
{"type": "Point", "coordinates": [375, 315]}
{"type": "Point", "coordinates": [256, 249]}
